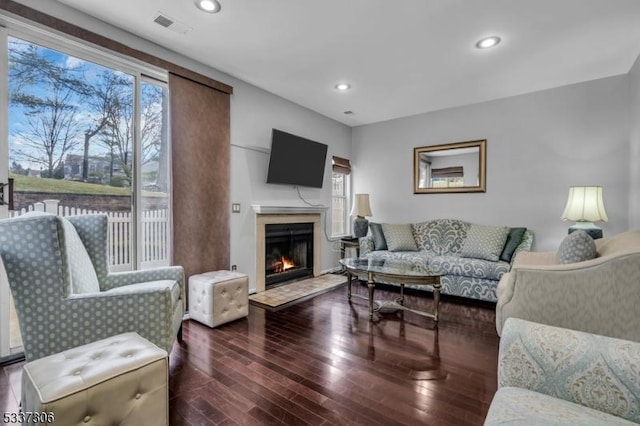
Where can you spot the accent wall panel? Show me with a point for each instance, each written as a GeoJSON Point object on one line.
{"type": "Point", "coordinates": [200, 121]}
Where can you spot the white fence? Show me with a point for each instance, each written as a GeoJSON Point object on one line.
{"type": "Point", "coordinates": [155, 233]}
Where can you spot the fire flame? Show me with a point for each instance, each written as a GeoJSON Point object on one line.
{"type": "Point", "coordinates": [283, 264]}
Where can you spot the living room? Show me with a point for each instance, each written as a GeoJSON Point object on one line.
{"type": "Point", "coordinates": [539, 144]}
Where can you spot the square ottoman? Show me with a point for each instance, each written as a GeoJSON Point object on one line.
{"type": "Point", "coordinates": [119, 380]}
{"type": "Point", "coordinates": [218, 297]}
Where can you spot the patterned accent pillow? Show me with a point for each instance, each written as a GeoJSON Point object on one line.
{"type": "Point", "coordinates": [485, 242]}
{"type": "Point", "coordinates": [576, 247]}
{"type": "Point", "coordinates": [379, 243]}
{"type": "Point", "coordinates": [399, 237]}
{"type": "Point", "coordinates": [441, 236]}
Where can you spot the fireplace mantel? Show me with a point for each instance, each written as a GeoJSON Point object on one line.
{"type": "Point", "coordinates": [266, 209]}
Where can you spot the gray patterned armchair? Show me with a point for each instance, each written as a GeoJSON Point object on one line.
{"type": "Point", "coordinates": [555, 376]}
{"type": "Point", "coordinates": [66, 297]}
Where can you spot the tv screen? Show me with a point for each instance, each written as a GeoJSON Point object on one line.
{"type": "Point", "coordinates": [295, 160]}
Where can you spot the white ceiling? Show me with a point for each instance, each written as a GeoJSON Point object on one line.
{"type": "Point", "coordinates": [401, 57]}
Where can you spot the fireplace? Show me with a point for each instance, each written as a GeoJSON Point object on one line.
{"type": "Point", "coordinates": [288, 252]}
{"type": "Point", "coordinates": [278, 215]}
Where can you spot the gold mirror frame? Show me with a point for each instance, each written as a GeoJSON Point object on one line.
{"type": "Point", "coordinates": [425, 155]}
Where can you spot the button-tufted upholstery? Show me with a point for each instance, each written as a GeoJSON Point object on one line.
{"type": "Point", "coordinates": [218, 297]}
{"type": "Point", "coordinates": [66, 297]}
{"type": "Point", "coordinates": [121, 380]}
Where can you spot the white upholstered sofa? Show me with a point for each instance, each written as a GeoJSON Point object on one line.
{"type": "Point", "coordinates": [600, 296]}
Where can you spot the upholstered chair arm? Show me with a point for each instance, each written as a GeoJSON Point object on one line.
{"type": "Point", "coordinates": [601, 296]}
{"type": "Point", "coordinates": [599, 372]}
{"type": "Point", "coordinates": [119, 279]}
{"type": "Point", "coordinates": [366, 245]}
{"type": "Point", "coordinates": [92, 316]}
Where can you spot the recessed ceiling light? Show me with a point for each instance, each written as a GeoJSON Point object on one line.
{"type": "Point", "coordinates": [209, 6]}
{"type": "Point", "coordinates": [488, 42]}
{"type": "Point", "coordinates": [343, 86]}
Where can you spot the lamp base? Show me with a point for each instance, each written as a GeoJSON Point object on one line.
{"type": "Point", "coordinates": [592, 230]}
{"type": "Point", "coordinates": [360, 227]}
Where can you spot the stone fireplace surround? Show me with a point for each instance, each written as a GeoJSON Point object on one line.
{"type": "Point", "coordinates": [285, 214]}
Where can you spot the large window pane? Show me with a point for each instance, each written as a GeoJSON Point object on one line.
{"type": "Point", "coordinates": [154, 158]}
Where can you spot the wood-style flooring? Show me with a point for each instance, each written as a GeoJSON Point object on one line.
{"type": "Point", "coordinates": [322, 362]}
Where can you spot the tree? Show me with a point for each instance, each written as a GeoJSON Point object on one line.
{"type": "Point", "coordinates": [104, 99]}
{"type": "Point", "coordinates": [52, 128]}
{"type": "Point", "coordinates": [16, 168]}
{"type": "Point", "coordinates": [48, 93]}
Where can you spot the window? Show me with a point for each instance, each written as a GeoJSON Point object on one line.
{"type": "Point", "coordinates": [340, 197]}
{"type": "Point", "coordinates": [87, 132]}
{"type": "Point", "coordinates": [92, 134]}
{"type": "Point", "coordinates": [447, 177]}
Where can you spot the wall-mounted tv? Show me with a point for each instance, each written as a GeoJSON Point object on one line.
{"type": "Point", "coordinates": [296, 161]}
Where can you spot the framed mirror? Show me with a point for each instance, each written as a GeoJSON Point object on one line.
{"type": "Point", "coordinates": [452, 167]}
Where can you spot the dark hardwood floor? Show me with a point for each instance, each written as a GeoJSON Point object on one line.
{"type": "Point", "coordinates": [323, 362]}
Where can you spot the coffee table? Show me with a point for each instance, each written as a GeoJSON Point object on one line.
{"type": "Point", "coordinates": [398, 272]}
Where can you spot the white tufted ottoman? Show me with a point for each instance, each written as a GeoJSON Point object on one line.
{"type": "Point", "coordinates": [120, 380]}
{"type": "Point", "coordinates": [218, 297]}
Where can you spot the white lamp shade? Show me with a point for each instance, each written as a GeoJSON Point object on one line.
{"type": "Point", "coordinates": [585, 205]}
{"type": "Point", "coordinates": [361, 206]}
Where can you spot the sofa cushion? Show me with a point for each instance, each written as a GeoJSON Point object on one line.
{"type": "Point", "coordinates": [485, 242]}
{"type": "Point", "coordinates": [399, 237]}
{"type": "Point", "coordinates": [474, 268]}
{"type": "Point", "coordinates": [379, 243]}
{"type": "Point", "coordinates": [513, 241]}
{"type": "Point", "coordinates": [576, 247]}
{"type": "Point", "coordinates": [411, 257]}
{"type": "Point", "coordinates": [441, 236]}
{"type": "Point", "coordinates": [517, 406]}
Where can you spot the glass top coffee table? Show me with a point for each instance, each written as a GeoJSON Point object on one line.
{"type": "Point", "coordinates": [394, 272]}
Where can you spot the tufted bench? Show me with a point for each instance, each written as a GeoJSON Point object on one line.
{"type": "Point", "coordinates": [118, 380]}
{"type": "Point", "coordinates": [218, 297]}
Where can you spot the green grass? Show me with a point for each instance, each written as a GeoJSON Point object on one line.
{"type": "Point", "coordinates": [34, 184]}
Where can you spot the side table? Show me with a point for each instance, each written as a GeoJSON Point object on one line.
{"type": "Point", "coordinates": [349, 242]}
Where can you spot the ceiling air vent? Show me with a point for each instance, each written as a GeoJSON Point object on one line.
{"type": "Point", "coordinates": [170, 23]}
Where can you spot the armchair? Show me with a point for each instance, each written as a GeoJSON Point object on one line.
{"type": "Point", "coordinates": [65, 296]}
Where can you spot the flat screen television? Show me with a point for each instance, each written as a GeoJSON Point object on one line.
{"type": "Point", "coordinates": [296, 161]}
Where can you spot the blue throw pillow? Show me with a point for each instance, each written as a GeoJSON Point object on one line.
{"type": "Point", "coordinates": [513, 241]}
{"type": "Point", "coordinates": [379, 243]}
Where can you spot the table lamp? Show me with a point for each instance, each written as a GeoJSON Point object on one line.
{"type": "Point", "coordinates": [360, 209]}
{"type": "Point", "coordinates": [585, 206]}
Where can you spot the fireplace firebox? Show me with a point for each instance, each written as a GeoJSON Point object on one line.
{"type": "Point", "coordinates": [288, 252]}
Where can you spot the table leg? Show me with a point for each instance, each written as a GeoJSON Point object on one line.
{"type": "Point", "coordinates": [436, 302]}
{"type": "Point", "coordinates": [348, 285]}
{"type": "Point", "coordinates": [371, 286]}
{"type": "Point", "coordinates": [401, 301]}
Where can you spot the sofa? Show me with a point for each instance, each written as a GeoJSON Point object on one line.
{"type": "Point", "coordinates": [471, 257]}
{"type": "Point", "coordinates": [555, 376]}
{"type": "Point", "coordinates": [599, 295]}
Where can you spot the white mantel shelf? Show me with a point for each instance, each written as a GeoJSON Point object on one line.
{"type": "Point", "coordinates": [261, 209]}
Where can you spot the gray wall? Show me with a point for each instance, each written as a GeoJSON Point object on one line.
{"type": "Point", "coordinates": [253, 114]}
{"type": "Point", "coordinates": [538, 145]}
{"type": "Point", "coordinates": [634, 157]}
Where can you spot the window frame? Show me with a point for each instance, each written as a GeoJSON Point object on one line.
{"type": "Point", "coordinates": [343, 169]}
